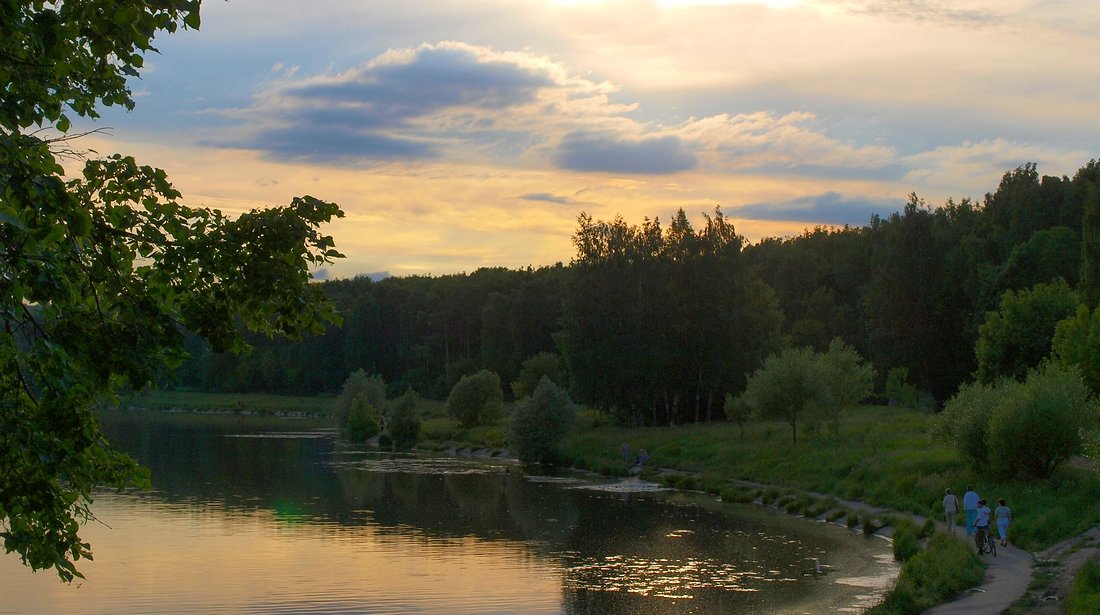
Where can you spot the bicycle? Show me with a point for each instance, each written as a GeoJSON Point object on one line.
{"type": "Point", "coordinates": [985, 541]}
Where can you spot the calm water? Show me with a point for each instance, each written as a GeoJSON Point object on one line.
{"type": "Point", "coordinates": [286, 522]}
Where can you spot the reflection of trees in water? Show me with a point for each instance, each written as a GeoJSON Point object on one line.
{"type": "Point", "coordinates": [619, 553]}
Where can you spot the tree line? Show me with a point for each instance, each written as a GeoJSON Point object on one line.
{"type": "Point", "coordinates": [656, 323]}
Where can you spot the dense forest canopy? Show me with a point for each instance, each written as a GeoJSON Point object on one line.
{"type": "Point", "coordinates": [657, 323]}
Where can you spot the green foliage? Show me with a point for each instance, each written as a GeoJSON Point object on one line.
{"type": "Point", "coordinates": [946, 567]}
{"type": "Point", "coordinates": [1090, 228]}
{"type": "Point", "coordinates": [1038, 423]}
{"type": "Point", "coordinates": [898, 389]}
{"type": "Point", "coordinates": [789, 386]}
{"type": "Point", "coordinates": [540, 422]}
{"type": "Point", "coordinates": [964, 422]}
{"type": "Point", "coordinates": [663, 313]}
{"type": "Point", "coordinates": [534, 368]}
{"type": "Point", "coordinates": [371, 388]}
{"type": "Point", "coordinates": [1077, 343]}
{"type": "Point", "coordinates": [848, 379]}
{"type": "Point", "coordinates": [906, 540]}
{"type": "Point", "coordinates": [1019, 429]}
{"type": "Point", "coordinates": [1084, 596]}
{"type": "Point", "coordinates": [1017, 336]}
{"type": "Point", "coordinates": [476, 399]}
{"type": "Point", "coordinates": [403, 421]}
{"type": "Point", "coordinates": [100, 273]}
{"type": "Point", "coordinates": [363, 421]}
{"type": "Point", "coordinates": [799, 382]}
{"type": "Point", "coordinates": [738, 411]}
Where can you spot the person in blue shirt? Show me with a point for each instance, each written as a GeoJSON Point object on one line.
{"type": "Point", "coordinates": [970, 508]}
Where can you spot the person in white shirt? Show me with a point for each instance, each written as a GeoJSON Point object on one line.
{"type": "Point", "coordinates": [1003, 515]}
{"type": "Point", "coordinates": [970, 507]}
{"type": "Point", "coordinates": [981, 523]}
{"type": "Point", "coordinates": [950, 509]}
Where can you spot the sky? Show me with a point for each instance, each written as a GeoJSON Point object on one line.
{"type": "Point", "coordinates": [460, 135]}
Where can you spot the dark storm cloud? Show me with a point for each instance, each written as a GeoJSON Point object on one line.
{"type": "Point", "coordinates": [608, 153]}
{"type": "Point", "coordinates": [828, 208]}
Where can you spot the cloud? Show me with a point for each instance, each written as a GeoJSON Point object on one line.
{"type": "Point", "coordinates": [609, 153]}
{"type": "Point", "coordinates": [454, 101]}
{"type": "Point", "coordinates": [829, 208]}
{"type": "Point", "coordinates": [926, 11]}
{"type": "Point", "coordinates": [545, 197]}
{"type": "Point", "coordinates": [976, 167]}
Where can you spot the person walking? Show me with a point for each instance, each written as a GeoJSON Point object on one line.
{"type": "Point", "coordinates": [970, 508]}
{"type": "Point", "coordinates": [950, 509]}
{"type": "Point", "coordinates": [1003, 515]}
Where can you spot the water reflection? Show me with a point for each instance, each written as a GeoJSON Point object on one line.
{"type": "Point", "coordinates": [288, 522]}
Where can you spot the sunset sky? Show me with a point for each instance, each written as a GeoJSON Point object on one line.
{"type": "Point", "coordinates": [458, 135]}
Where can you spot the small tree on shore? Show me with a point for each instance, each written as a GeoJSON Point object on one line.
{"type": "Point", "coordinates": [363, 421]}
{"type": "Point", "coordinates": [789, 386]}
{"type": "Point", "coordinates": [738, 411]}
{"type": "Point", "coordinates": [371, 388]}
{"type": "Point", "coordinates": [540, 422]}
{"type": "Point", "coordinates": [403, 422]}
{"type": "Point", "coordinates": [848, 379]}
{"type": "Point", "coordinates": [476, 399]}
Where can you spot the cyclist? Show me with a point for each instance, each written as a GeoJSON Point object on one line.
{"type": "Point", "coordinates": [981, 524]}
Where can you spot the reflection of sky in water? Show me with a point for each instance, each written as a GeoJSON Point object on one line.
{"type": "Point", "coordinates": [261, 523]}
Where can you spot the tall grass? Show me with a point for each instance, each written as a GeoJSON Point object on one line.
{"type": "Point", "coordinates": [1084, 597]}
{"type": "Point", "coordinates": [945, 567]}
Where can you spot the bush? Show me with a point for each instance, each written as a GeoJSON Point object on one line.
{"type": "Point", "coordinates": [540, 422]}
{"type": "Point", "coordinates": [1084, 597]}
{"type": "Point", "coordinates": [403, 423]}
{"type": "Point", "coordinates": [965, 419]}
{"type": "Point", "coordinates": [371, 388]}
{"type": "Point", "coordinates": [1037, 426]}
{"type": "Point", "coordinates": [362, 423]}
{"type": "Point", "coordinates": [906, 542]}
{"type": "Point", "coordinates": [534, 369]}
{"type": "Point", "coordinates": [947, 566]}
{"type": "Point", "coordinates": [476, 399]}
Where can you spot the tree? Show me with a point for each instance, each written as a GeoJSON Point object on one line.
{"type": "Point", "coordinates": [362, 422]}
{"type": "Point", "coordinates": [738, 411]}
{"type": "Point", "coordinates": [100, 274]}
{"type": "Point", "coordinates": [476, 399]}
{"type": "Point", "coordinates": [535, 367]}
{"type": "Point", "coordinates": [1037, 424]}
{"type": "Point", "coordinates": [848, 379]}
{"type": "Point", "coordinates": [540, 422]}
{"type": "Point", "coordinates": [1017, 337]}
{"type": "Point", "coordinates": [372, 390]}
{"type": "Point", "coordinates": [403, 422]}
{"type": "Point", "coordinates": [1077, 344]}
{"type": "Point", "coordinates": [789, 386]}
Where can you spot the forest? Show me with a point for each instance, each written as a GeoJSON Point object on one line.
{"type": "Point", "coordinates": [655, 323]}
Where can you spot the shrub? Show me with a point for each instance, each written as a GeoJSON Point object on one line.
{"type": "Point", "coordinates": [540, 422]}
{"type": "Point", "coordinates": [476, 399]}
{"type": "Point", "coordinates": [1037, 426]}
{"type": "Point", "coordinates": [534, 369]}
{"type": "Point", "coordinates": [1017, 336]}
{"type": "Point", "coordinates": [906, 543]}
{"type": "Point", "coordinates": [372, 388]}
{"type": "Point", "coordinates": [403, 422]}
{"type": "Point", "coordinates": [965, 419]}
{"type": "Point", "coordinates": [362, 423]}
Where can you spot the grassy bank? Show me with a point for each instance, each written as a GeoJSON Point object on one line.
{"type": "Point", "coordinates": [882, 455]}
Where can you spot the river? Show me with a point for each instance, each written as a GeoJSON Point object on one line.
{"type": "Point", "coordinates": [286, 520]}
